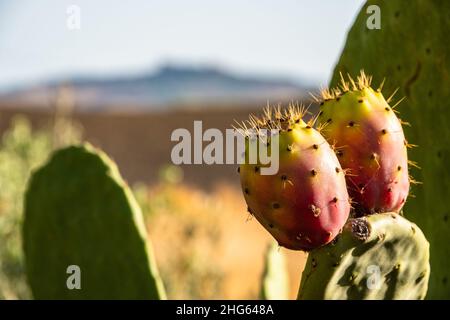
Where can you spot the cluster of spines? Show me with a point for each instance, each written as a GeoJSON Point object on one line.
{"type": "Point", "coordinates": [362, 81]}
{"type": "Point", "coordinates": [274, 118]}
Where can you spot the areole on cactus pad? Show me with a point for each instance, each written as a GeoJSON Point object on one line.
{"type": "Point", "coordinates": [306, 203]}
{"type": "Point", "coordinates": [370, 143]}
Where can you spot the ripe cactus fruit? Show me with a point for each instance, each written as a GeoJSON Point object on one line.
{"type": "Point", "coordinates": [381, 256]}
{"type": "Point", "coordinates": [79, 211]}
{"type": "Point", "coordinates": [369, 142]}
{"type": "Point", "coordinates": [306, 203]}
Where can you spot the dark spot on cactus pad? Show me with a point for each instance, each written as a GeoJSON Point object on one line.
{"type": "Point", "coordinates": [289, 129]}
{"type": "Point", "coordinates": [396, 267]}
{"type": "Point", "coordinates": [439, 154]}
{"type": "Point", "coordinates": [399, 168]}
{"type": "Point", "coordinates": [246, 191]}
{"type": "Point", "coordinates": [256, 169]}
{"type": "Point", "coordinates": [314, 263]}
{"type": "Point", "coordinates": [322, 103]}
{"type": "Point", "coordinates": [337, 170]}
{"type": "Point", "coordinates": [413, 78]}
{"type": "Point", "coordinates": [335, 200]}
{"type": "Point", "coordinates": [444, 280]}
{"type": "Point", "coordinates": [430, 93]}
{"type": "Point", "coordinates": [270, 225]}
{"type": "Point", "coordinates": [387, 109]}
{"type": "Point", "coordinates": [335, 264]}
{"type": "Point", "coordinates": [397, 14]}
{"type": "Point", "coordinates": [297, 121]}
{"type": "Point", "coordinates": [313, 172]}
{"type": "Point", "coordinates": [315, 146]}
{"type": "Point", "coordinates": [420, 277]}
{"type": "Point", "coordinates": [338, 98]}
{"type": "Point", "coordinates": [289, 148]}
{"type": "Point", "coordinates": [445, 218]}
{"type": "Point", "coordinates": [384, 131]}
{"type": "Point", "coordinates": [399, 67]}
{"type": "Point", "coordinates": [351, 124]}
{"type": "Point", "coordinates": [308, 127]}
{"type": "Point", "coordinates": [360, 228]}
{"type": "Point", "coordinates": [275, 205]}
{"type": "Point", "coordinates": [329, 120]}
{"type": "Point", "coordinates": [360, 100]}
{"type": "Point", "coordinates": [428, 50]}
{"type": "Point", "coordinates": [320, 113]}
{"type": "Point", "coordinates": [284, 177]}
{"type": "Point", "coordinates": [239, 169]}
{"type": "Point", "coordinates": [249, 210]}
{"type": "Point", "coordinates": [413, 230]}
{"type": "Point", "coordinates": [339, 153]}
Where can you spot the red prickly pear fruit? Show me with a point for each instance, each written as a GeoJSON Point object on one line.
{"type": "Point", "coordinates": [370, 144]}
{"type": "Point", "coordinates": [306, 203]}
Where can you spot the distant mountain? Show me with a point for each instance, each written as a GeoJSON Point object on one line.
{"type": "Point", "coordinates": [170, 85]}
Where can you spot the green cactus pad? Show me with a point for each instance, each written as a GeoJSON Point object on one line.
{"type": "Point", "coordinates": [275, 279]}
{"type": "Point", "coordinates": [79, 211]}
{"type": "Point", "coordinates": [382, 256]}
{"type": "Point", "coordinates": [415, 57]}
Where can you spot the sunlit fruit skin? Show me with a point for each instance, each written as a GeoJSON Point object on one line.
{"type": "Point", "coordinates": [306, 204]}
{"type": "Point", "coordinates": [370, 143]}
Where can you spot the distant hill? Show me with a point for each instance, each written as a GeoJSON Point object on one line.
{"type": "Point", "coordinates": [170, 85]}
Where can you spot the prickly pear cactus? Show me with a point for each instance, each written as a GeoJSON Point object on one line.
{"type": "Point", "coordinates": [382, 256]}
{"type": "Point", "coordinates": [305, 204]}
{"type": "Point", "coordinates": [79, 211]}
{"type": "Point", "coordinates": [415, 57]}
{"type": "Point", "coordinates": [275, 279]}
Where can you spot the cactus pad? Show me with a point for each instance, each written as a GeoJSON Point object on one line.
{"type": "Point", "coordinates": [79, 211]}
{"type": "Point", "coordinates": [275, 279]}
{"type": "Point", "coordinates": [382, 256]}
{"type": "Point", "coordinates": [416, 59]}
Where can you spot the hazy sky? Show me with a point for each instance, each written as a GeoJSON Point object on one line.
{"type": "Point", "coordinates": [299, 39]}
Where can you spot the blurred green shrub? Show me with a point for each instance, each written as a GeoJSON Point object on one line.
{"type": "Point", "coordinates": [21, 150]}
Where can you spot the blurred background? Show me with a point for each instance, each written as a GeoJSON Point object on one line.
{"type": "Point", "coordinates": [123, 75]}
